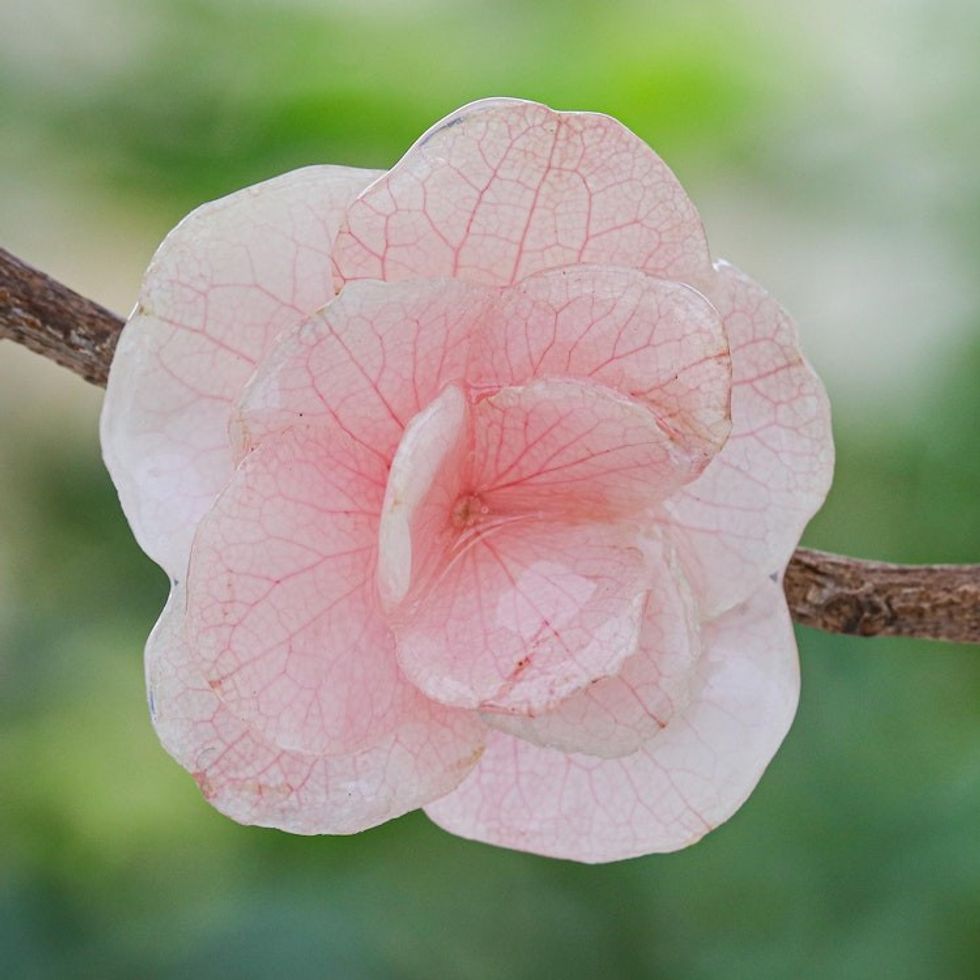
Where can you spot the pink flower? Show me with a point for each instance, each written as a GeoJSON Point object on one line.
{"type": "Point", "coordinates": [476, 481]}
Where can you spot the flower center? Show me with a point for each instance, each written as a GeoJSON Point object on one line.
{"type": "Point", "coordinates": [467, 510]}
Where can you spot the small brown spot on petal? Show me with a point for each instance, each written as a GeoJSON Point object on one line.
{"type": "Point", "coordinates": [204, 784]}
{"type": "Point", "coordinates": [468, 510]}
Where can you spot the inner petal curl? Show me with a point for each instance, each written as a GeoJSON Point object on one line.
{"type": "Point", "coordinates": [506, 555]}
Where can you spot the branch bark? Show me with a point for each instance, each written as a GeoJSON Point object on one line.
{"type": "Point", "coordinates": [873, 598]}
{"type": "Point", "coordinates": [834, 593]}
{"type": "Point", "coordinates": [54, 321]}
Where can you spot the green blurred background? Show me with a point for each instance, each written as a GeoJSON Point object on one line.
{"type": "Point", "coordinates": [832, 149]}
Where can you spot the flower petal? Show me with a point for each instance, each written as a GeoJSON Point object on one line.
{"type": "Point", "coordinates": [615, 716]}
{"type": "Point", "coordinates": [573, 449]}
{"type": "Point", "coordinates": [504, 188]}
{"type": "Point", "coordinates": [282, 610]}
{"type": "Point", "coordinates": [524, 614]}
{"type": "Point", "coordinates": [253, 781]}
{"type": "Point", "coordinates": [424, 483]}
{"type": "Point", "coordinates": [370, 361]}
{"type": "Point", "coordinates": [678, 786]}
{"type": "Point", "coordinates": [222, 286]}
{"type": "Point", "coordinates": [739, 522]}
{"type": "Point", "coordinates": [660, 342]}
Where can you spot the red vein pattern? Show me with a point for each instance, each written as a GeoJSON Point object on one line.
{"type": "Point", "coordinates": [476, 481]}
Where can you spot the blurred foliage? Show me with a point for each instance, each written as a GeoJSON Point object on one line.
{"type": "Point", "coordinates": [857, 857]}
{"type": "Point", "coordinates": [220, 93]}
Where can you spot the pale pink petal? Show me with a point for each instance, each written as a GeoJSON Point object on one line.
{"type": "Point", "coordinates": [424, 487]}
{"type": "Point", "coordinates": [573, 449]}
{"type": "Point", "coordinates": [253, 781]}
{"type": "Point", "coordinates": [555, 449]}
{"type": "Point", "coordinates": [660, 342]}
{"type": "Point", "coordinates": [371, 360]}
{"type": "Point", "coordinates": [616, 715]}
{"type": "Point", "coordinates": [739, 522]}
{"type": "Point", "coordinates": [282, 608]}
{"type": "Point", "coordinates": [524, 614]}
{"type": "Point", "coordinates": [222, 286]}
{"type": "Point", "coordinates": [505, 188]}
{"type": "Point", "coordinates": [682, 783]}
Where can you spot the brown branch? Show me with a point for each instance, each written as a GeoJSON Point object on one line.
{"type": "Point", "coordinates": [874, 598]}
{"type": "Point", "coordinates": [829, 592]}
{"type": "Point", "coordinates": [54, 321]}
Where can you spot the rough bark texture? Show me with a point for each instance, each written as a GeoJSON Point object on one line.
{"type": "Point", "coordinates": [873, 598]}
{"type": "Point", "coordinates": [55, 321]}
{"type": "Point", "coordinates": [829, 592]}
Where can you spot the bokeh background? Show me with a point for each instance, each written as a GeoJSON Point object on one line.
{"type": "Point", "coordinates": [832, 149]}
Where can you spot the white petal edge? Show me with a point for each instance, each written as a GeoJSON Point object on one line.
{"type": "Point", "coordinates": [222, 286]}
{"type": "Point", "coordinates": [683, 783]}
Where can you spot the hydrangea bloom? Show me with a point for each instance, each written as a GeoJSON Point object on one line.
{"type": "Point", "coordinates": [475, 480]}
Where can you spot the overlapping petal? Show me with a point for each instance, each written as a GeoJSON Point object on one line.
{"type": "Point", "coordinates": [659, 342]}
{"type": "Point", "coordinates": [682, 783]}
{"type": "Point", "coordinates": [507, 584]}
{"type": "Point", "coordinates": [573, 449]}
{"type": "Point", "coordinates": [254, 781]}
{"type": "Point", "coordinates": [223, 285]}
{"type": "Point", "coordinates": [282, 612]}
{"type": "Point", "coordinates": [615, 716]}
{"type": "Point", "coordinates": [370, 361]}
{"type": "Point", "coordinates": [505, 188]}
{"type": "Point", "coordinates": [524, 614]}
{"type": "Point", "coordinates": [739, 522]}
{"type": "Point", "coordinates": [422, 513]}
{"type": "Point", "coordinates": [480, 455]}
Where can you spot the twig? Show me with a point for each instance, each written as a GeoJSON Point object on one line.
{"type": "Point", "coordinates": [54, 321]}
{"type": "Point", "coordinates": [874, 598]}
{"type": "Point", "coordinates": [829, 592]}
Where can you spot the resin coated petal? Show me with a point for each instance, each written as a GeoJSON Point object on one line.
{"type": "Point", "coordinates": [253, 781]}
{"type": "Point", "coordinates": [524, 614]}
{"type": "Point", "coordinates": [504, 188]}
{"type": "Point", "coordinates": [282, 609]}
{"type": "Point", "coordinates": [683, 782]}
{"type": "Point", "coordinates": [574, 450]}
{"type": "Point", "coordinates": [617, 715]}
{"type": "Point", "coordinates": [223, 285]}
{"type": "Point", "coordinates": [424, 484]}
{"type": "Point", "coordinates": [475, 481]}
{"type": "Point", "coordinates": [740, 521]}
{"type": "Point", "coordinates": [660, 342]}
{"type": "Point", "coordinates": [370, 361]}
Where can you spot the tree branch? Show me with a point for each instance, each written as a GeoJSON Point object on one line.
{"type": "Point", "coordinates": [54, 321]}
{"type": "Point", "coordinates": [874, 598]}
{"type": "Point", "coordinates": [829, 592]}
